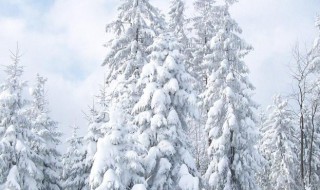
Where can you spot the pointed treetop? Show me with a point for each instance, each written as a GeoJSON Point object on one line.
{"type": "Point", "coordinates": [137, 24]}
{"type": "Point", "coordinates": [14, 70]}
{"type": "Point", "coordinates": [75, 128]}
{"type": "Point", "coordinates": [41, 80]}
{"type": "Point", "coordinates": [38, 93]}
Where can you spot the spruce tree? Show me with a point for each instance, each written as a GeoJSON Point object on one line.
{"type": "Point", "coordinates": [116, 157]}
{"type": "Point", "coordinates": [205, 27]}
{"type": "Point", "coordinates": [74, 176]}
{"type": "Point", "coordinates": [46, 129]}
{"type": "Point", "coordinates": [18, 168]}
{"type": "Point", "coordinates": [167, 100]}
{"type": "Point", "coordinates": [231, 124]}
{"type": "Point", "coordinates": [279, 145]}
{"type": "Point", "coordinates": [177, 25]}
{"type": "Point", "coordinates": [137, 23]}
{"type": "Point", "coordinates": [97, 118]}
{"type": "Point", "coordinates": [178, 21]}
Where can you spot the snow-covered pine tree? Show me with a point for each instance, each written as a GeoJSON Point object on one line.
{"type": "Point", "coordinates": [161, 113]}
{"type": "Point", "coordinates": [46, 129]}
{"type": "Point", "coordinates": [138, 22]}
{"type": "Point", "coordinates": [116, 163]}
{"type": "Point", "coordinates": [116, 156]}
{"type": "Point", "coordinates": [74, 176]}
{"type": "Point", "coordinates": [262, 176]}
{"type": "Point", "coordinates": [18, 169]}
{"type": "Point", "coordinates": [279, 145]}
{"type": "Point", "coordinates": [98, 116]}
{"type": "Point", "coordinates": [204, 22]}
{"type": "Point", "coordinates": [177, 21]}
{"type": "Point", "coordinates": [314, 55]}
{"type": "Point", "coordinates": [177, 26]}
{"type": "Point", "coordinates": [231, 124]}
{"type": "Point", "coordinates": [316, 46]}
{"type": "Point", "coordinates": [204, 25]}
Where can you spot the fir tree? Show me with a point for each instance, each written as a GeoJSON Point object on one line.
{"type": "Point", "coordinates": [74, 176]}
{"type": "Point", "coordinates": [161, 114]}
{"type": "Point", "coordinates": [205, 27]}
{"type": "Point", "coordinates": [177, 21]}
{"type": "Point", "coordinates": [230, 127]}
{"type": "Point", "coordinates": [116, 157]}
{"type": "Point", "coordinates": [46, 129]}
{"type": "Point", "coordinates": [138, 22]}
{"type": "Point", "coordinates": [18, 169]}
{"type": "Point", "coordinates": [279, 145]}
{"type": "Point", "coordinates": [98, 116]}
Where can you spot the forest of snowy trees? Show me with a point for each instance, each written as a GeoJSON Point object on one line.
{"type": "Point", "coordinates": [174, 112]}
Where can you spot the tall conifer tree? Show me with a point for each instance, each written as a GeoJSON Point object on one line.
{"type": "Point", "coordinates": [167, 100]}
{"type": "Point", "coordinates": [18, 169]}
{"type": "Point", "coordinates": [279, 145]}
{"type": "Point", "coordinates": [74, 176]}
{"type": "Point", "coordinates": [230, 126]}
{"type": "Point", "coordinates": [137, 23]}
{"type": "Point", "coordinates": [46, 129]}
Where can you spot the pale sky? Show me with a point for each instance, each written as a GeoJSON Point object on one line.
{"type": "Point", "coordinates": [63, 40]}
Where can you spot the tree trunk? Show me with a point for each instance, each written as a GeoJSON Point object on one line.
{"type": "Point", "coordinates": [302, 137]}
{"type": "Point", "coordinates": [314, 110]}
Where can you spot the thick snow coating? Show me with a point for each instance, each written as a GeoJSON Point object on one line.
{"type": "Point", "coordinates": [168, 99]}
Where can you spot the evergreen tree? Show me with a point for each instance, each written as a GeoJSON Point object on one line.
{"type": "Point", "coordinates": [98, 116]}
{"type": "Point", "coordinates": [74, 176]}
{"type": "Point", "coordinates": [116, 157]}
{"type": "Point", "coordinates": [18, 169]}
{"type": "Point", "coordinates": [161, 113]}
{"type": "Point", "coordinates": [231, 123]}
{"type": "Point", "coordinates": [316, 48]}
{"type": "Point", "coordinates": [177, 21]}
{"type": "Point", "coordinates": [138, 22]}
{"type": "Point", "coordinates": [46, 129]}
{"type": "Point", "coordinates": [177, 27]}
{"type": "Point", "coordinates": [279, 145]}
{"type": "Point", "coordinates": [314, 56]}
{"type": "Point", "coordinates": [263, 175]}
{"type": "Point", "coordinates": [205, 27]}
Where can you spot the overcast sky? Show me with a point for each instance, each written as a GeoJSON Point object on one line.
{"type": "Point", "coordinates": [63, 40]}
